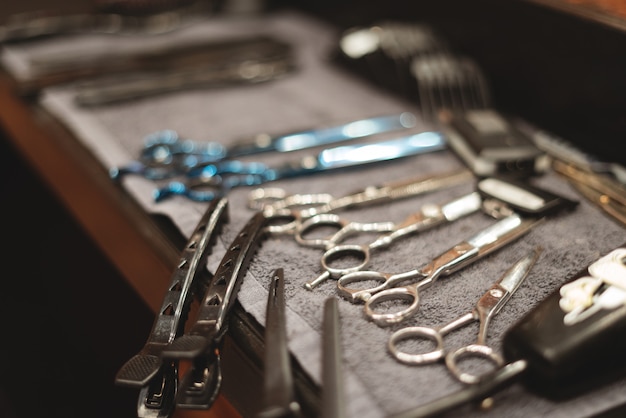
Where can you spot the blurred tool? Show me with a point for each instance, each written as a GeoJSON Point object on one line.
{"type": "Point", "coordinates": [602, 190]}
{"type": "Point", "coordinates": [158, 379]}
{"type": "Point", "coordinates": [554, 356]}
{"type": "Point", "coordinates": [383, 52]}
{"type": "Point", "coordinates": [333, 398]}
{"type": "Point", "coordinates": [278, 389]}
{"type": "Point", "coordinates": [109, 16]}
{"type": "Point", "coordinates": [487, 307]}
{"type": "Point", "coordinates": [266, 61]}
{"type": "Point", "coordinates": [566, 152]}
{"type": "Point", "coordinates": [207, 182]}
{"type": "Point", "coordinates": [446, 81]}
{"type": "Point", "coordinates": [167, 155]}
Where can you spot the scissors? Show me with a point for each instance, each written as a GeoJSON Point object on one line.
{"type": "Point", "coordinates": [206, 182]}
{"type": "Point", "coordinates": [166, 154]}
{"type": "Point", "coordinates": [429, 216]}
{"type": "Point", "coordinates": [462, 254]}
{"type": "Point", "coordinates": [487, 307]}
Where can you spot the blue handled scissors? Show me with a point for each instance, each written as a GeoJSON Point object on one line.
{"type": "Point", "coordinates": [207, 182]}
{"type": "Point", "coordinates": [429, 216]}
{"type": "Point", "coordinates": [166, 155]}
{"type": "Point", "coordinates": [461, 255]}
{"type": "Point", "coordinates": [487, 307]}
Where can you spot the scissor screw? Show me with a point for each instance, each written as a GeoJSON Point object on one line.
{"type": "Point", "coordinates": [496, 293]}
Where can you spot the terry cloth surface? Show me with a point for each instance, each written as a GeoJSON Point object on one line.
{"type": "Point", "coordinates": [320, 94]}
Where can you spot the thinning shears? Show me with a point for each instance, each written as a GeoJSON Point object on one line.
{"type": "Point", "coordinates": [429, 216]}
{"type": "Point", "coordinates": [487, 307]}
{"type": "Point", "coordinates": [166, 154]}
{"type": "Point", "coordinates": [209, 181]}
{"type": "Point", "coordinates": [461, 255]}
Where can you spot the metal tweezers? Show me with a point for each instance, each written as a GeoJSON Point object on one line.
{"type": "Point", "coordinates": [278, 389]}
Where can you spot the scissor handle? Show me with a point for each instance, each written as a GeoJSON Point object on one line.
{"type": "Point", "coordinates": [406, 293]}
{"type": "Point", "coordinates": [477, 351]}
{"type": "Point", "coordinates": [421, 333]}
{"type": "Point", "coordinates": [305, 232]}
{"type": "Point", "coordinates": [345, 251]}
{"type": "Point", "coordinates": [365, 293]}
{"type": "Point", "coordinates": [276, 198]}
{"type": "Point", "coordinates": [197, 191]}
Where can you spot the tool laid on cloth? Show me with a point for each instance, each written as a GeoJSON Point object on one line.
{"type": "Point", "coordinates": [167, 155]}
{"type": "Point", "coordinates": [202, 342]}
{"type": "Point", "coordinates": [491, 145]}
{"type": "Point", "coordinates": [429, 216]}
{"type": "Point", "coordinates": [205, 183]}
{"type": "Point", "coordinates": [448, 81]}
{"type": "Point", "coordinates": [567, 153]}
{"type": "Point", "coordinates": [460, 255]}
{"type": "Point", "coordinates": [109, 17]}
{"type": "Point", "coordinates": [572, 342]}
{"type": "Point", "coordinates": [488, 306]}
{"type": "Point", "coordinates": [278, 389]}
{"type": "Point", "coordinates": [306, 206]}
{"type": "Point", "coordinates": [248, 70]}
{"type": "Point", "coordinates": [603, 191]}
{"type": "Point", "coordinates": [275, 199]}
{"type": "Point", "coordinates": [158, 379]}
{"type": "Point", "coordinates": [333, 398]}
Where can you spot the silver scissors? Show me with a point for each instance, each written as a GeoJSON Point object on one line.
{"type": "Point", "coordinates": [429, 216]}
{"type": "Point", "coordinates": [487, 307]}
{"type": "Point", "coordinates": [209, 181]}
{"type": "Point", "coordinates": [462, 254]}
{"type": "Point", "coordinates": [166, 154]}
{"type": "Point", "coordinates": [303, 206]}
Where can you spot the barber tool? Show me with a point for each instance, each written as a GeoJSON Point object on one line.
{"type": "Point", "coordinates": [128, 16]}
{"type": "Point", "coordinates": [166, 154]}
{"type": "Point", "coordinates": [333, 405]}
{"type": "Point", "coordinates": [523, 197]}
{"type": "Point", "coordinates": [202, 342]}
{"type": "Point", "coordinates": [490, 145]}
{"type": "Point", "coordinates": [274, 199]}
{"type": "Point", "coordinates": [603, 191]}
{"type": "Point", "coordinates": [382, 52]}
{"type": "Point", "coordinates": [487, 307]}
{"type": "Point", "coordinates": [429, 216]}
{"type": "Point", "coordinates": [568, 154]}
{"type": "Point", "coordinates": [460, 255]}
{"type": "Point", "coordinates": [158, 379]}
{"type": "Point", "coordinates": [305, 206]}
{"type": "Point", "coordinates": [278, 389]}
{"type": "Point", "coordinates": [449, 82]}
{"type": "Point", "coordinates": [207, 182]}
{"type": "Point", "coordinates": [572, 342]}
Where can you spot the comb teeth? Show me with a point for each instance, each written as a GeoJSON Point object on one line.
{"type": "Point", "coordinates": [138, 371]}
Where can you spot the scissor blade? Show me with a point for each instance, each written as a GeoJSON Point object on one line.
{"type": "Point", "coordinates": [358, 155]}
{"type": "Point", "coordinates": [516, 274]}
{"type": "Point", "coordinates": [323, 136]}
{"type": "Point", "coordinates": [278, 386]}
